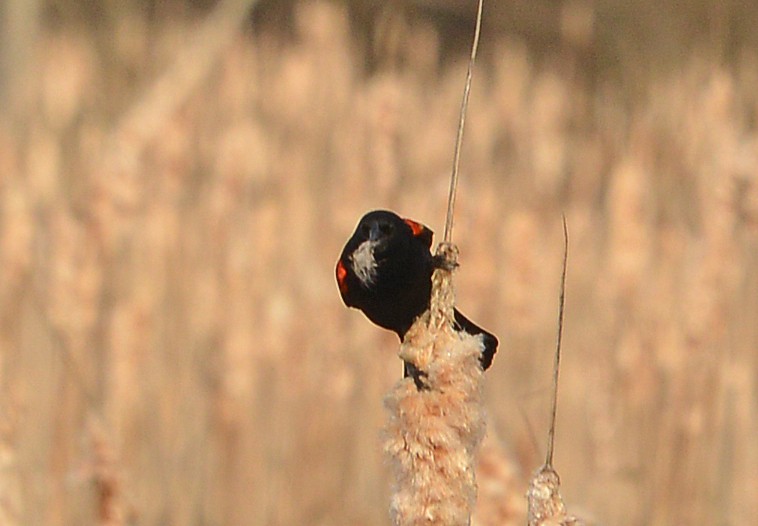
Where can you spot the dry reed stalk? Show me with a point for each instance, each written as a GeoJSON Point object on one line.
{"type": "Point", "coordinates": [434, 433]}
{"type": "Point", "coordinates": [435, 429]}
{"type": "Point", "coordinates": [544, 500]}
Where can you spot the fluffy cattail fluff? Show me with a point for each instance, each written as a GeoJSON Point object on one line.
{"type": "Point", "coordinates": [544, 500]}
{"type": "Point", "coordinates": [433, 433]}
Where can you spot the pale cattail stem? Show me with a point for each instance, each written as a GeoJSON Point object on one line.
{"type": "Point", "coordinates": [433, 434]}
{"type": "Point", "coordinates": [544, 502]}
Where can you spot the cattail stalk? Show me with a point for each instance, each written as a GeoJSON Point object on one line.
{"type": "Point", "coordinates": [544, 501]}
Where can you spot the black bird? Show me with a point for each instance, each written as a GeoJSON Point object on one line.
{"type": "Point", "coordinates": [385, 270]}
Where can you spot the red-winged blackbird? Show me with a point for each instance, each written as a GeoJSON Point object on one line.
{"type": "Point", "coordinates": [385, 270]}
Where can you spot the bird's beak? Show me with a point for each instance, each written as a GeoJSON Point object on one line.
{"type": "Point", "coordinates": [374, 234]}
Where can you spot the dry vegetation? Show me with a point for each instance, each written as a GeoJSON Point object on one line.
{"type": "Point", "coordinates": [176, 288]}
{"type": "Point", "coordinates": [433, 434]}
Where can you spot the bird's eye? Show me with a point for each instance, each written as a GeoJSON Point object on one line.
{"type": "Point", "coordinates": [386, 228]}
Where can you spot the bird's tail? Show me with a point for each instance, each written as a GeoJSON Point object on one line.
{"type": "Point", "coordinates": [462, 323]}
{"type": "Point", "coordinates": [489, 339]}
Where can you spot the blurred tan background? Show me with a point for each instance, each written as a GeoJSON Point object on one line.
{"type": "Point", "coordinates": [177, 179]}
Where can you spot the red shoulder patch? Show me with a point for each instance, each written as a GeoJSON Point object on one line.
{"type": "Point", "coordinates": [420, 231]}
{"type": "Point", "coordinates": [341, 272]}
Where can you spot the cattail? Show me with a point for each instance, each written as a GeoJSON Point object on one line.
{"type": "Point", "coordinates": [434, 432]}
{"type": "Point", "coordinates": [546, 506]}
{"type": "Point", "coordinates": [544, 500]}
